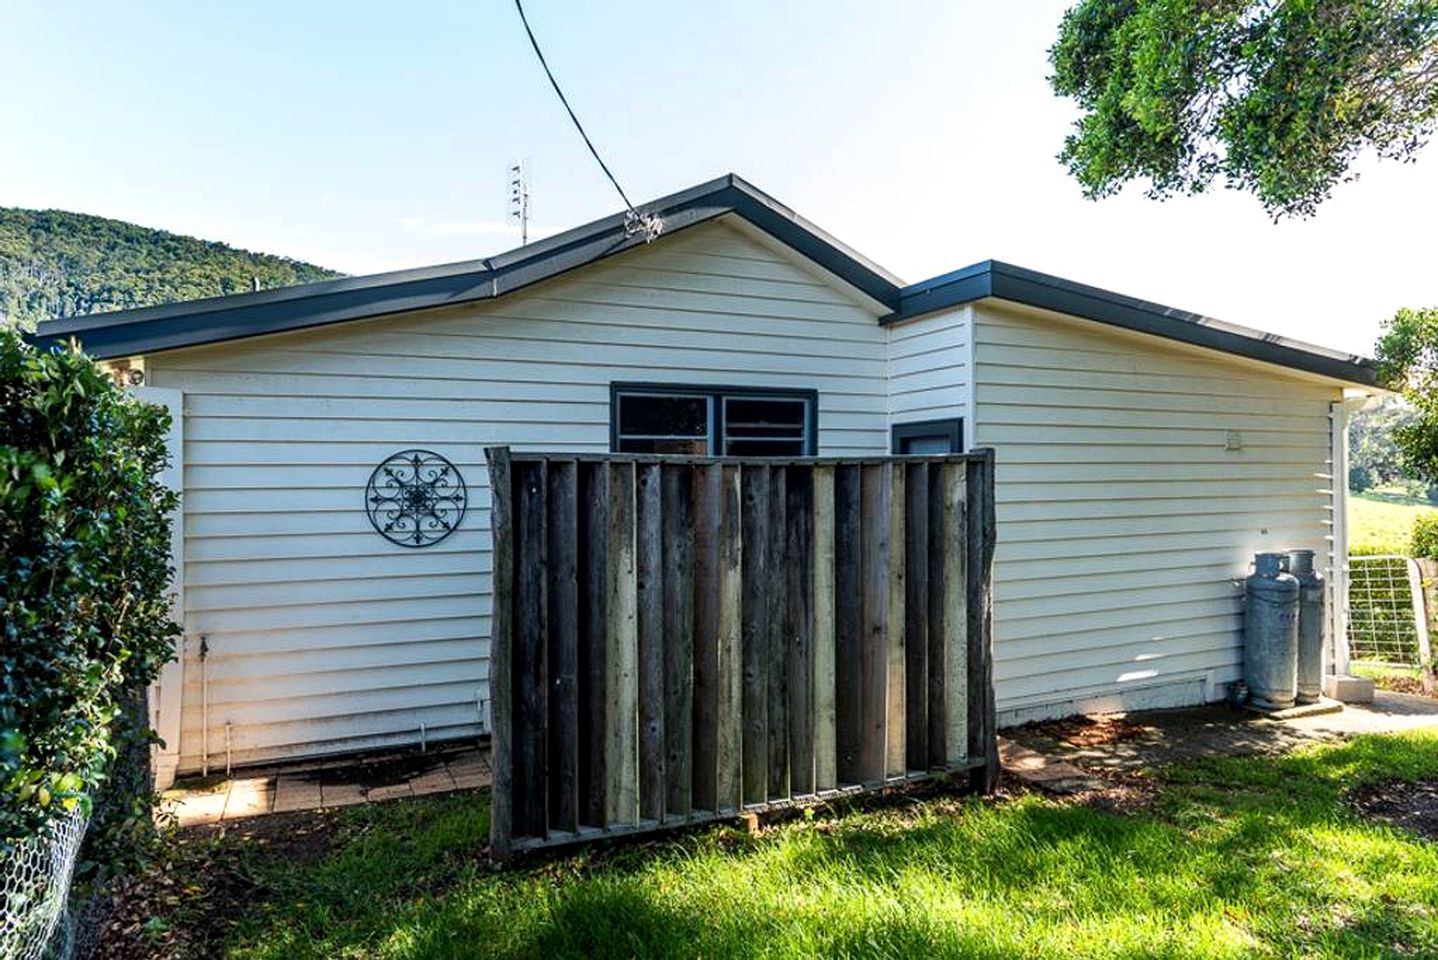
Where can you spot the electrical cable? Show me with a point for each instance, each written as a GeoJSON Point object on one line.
{"type": "Point", "coordinates": [635, 221]}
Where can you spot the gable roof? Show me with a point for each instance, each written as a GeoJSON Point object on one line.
{"type": "Point", "coordinates": [218, 319]}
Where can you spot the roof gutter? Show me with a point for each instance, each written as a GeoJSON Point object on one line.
{"type": "Point", "coordinates": [1003, 281]}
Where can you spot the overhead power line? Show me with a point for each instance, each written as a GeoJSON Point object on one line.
{"type": "Point", "coordinates": [635, 222]}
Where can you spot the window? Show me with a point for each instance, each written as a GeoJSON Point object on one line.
{"type": "Point", "coordinates": [928, 437]}
{"type": "Point", "coordinates": [719, 421]}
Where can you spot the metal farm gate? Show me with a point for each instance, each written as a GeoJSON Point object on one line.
{"type": "Point", "coordinates": [682, 639]}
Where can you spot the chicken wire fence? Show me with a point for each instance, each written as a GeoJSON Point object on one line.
{"type": "Point", "coordinates": [1386, 619]}
{"type": "Point", "coordinates": [35, 889]}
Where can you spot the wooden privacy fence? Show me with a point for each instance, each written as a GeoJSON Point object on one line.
{"type": "Point", "coordinates": [680, 639]}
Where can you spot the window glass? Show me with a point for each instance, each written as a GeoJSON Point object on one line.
{"type": "Point", "coordinates": [663, 423]}
{"type": "Point", "coordinates": [922, 445]}
{"type": "Point", "coordinates": [765, 426]}
{"type": "Point", "coordinates": [928, 437]}
{"type": "Point", "coordinates": [697, 422]}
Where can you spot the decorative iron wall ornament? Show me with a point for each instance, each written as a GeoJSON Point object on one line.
{"type": "Point", "coordinates": [415, 498]}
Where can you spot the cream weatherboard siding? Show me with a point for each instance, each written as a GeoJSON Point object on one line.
{"type": "Point", "coordinates": [929, 367]}
{"type": "Point", "coordinates": [320, 635]}
{"type": "Point", "coordinates": [1122, 518]}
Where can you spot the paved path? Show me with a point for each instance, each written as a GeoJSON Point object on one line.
{"type": "Point", "coordinates": [336, 783]}
{"type": "Point", "coordinates": [1035, 753]}
{"type": "Point", "coordinates": [1040, 754]}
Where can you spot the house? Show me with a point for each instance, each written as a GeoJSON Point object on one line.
{"type": "Point", "coordinates": [1144, 454]}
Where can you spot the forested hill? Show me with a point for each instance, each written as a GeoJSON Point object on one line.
{"type": "Point", "coordinates": [59, 264]}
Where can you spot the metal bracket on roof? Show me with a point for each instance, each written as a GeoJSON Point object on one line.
{"type": "Point", "coordinates": [647, 224]}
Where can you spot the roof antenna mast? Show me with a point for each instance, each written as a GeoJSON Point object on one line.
{"type": "Point", "coordinates": [519, 198]}
{"type": "Point", "coordinates": [635, 223]}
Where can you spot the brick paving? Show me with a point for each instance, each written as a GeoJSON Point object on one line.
{"type": "Point", "coordinates": [340, 783]}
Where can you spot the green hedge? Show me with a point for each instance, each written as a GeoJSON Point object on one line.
{"type": "Point", "coordinates": [84, 563]}
{"type": "Point", "coordinates": [1423, 541]}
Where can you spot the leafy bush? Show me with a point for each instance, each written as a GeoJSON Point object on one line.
{"type": "Point", "coordinates": [84, 570]}
{"type": "Point", "coordinates": [1360, 478]}
{"type": "Point", "coordinates": [1424, 540]}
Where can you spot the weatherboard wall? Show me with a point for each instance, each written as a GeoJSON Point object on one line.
{"type": "Point", "coordinates": [930, 366]}
{"type": "Point", "coordinates": [324, 637]}
{"type": "Point", "coordinates": [1123, 518]}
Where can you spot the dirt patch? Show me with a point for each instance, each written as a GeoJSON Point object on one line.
{"type": "Point", "coordinates": [1123, 792]}
{"type": "Point", "coordinates": [1402, 684]}
{"type": "Point", "coordinates": [383, 771]}
{"type": "Point", "coordinates": [1083, 731]}
{"type": "Point", "coordinates": [1401, 803]}
{"type": "Point", "coordinates": [185, 905]}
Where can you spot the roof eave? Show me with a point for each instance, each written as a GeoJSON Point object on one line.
{"type": "Point", "coordinates": [1002, 281]}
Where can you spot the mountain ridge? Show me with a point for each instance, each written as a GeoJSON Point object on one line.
{"type": "Point", "coordinates": [59, 263]}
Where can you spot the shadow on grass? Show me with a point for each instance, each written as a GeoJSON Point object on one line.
{"type": "Point", "coordinates": [1255, 856]}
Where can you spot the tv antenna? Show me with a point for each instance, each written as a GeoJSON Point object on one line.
{"type": "Point", "coordinates": [519, 198]}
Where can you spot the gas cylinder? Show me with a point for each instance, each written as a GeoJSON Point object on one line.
{"type": "Point", "coordinates": [1312, 616]}
{"type": "Point", "coordinates": [1270, 633]}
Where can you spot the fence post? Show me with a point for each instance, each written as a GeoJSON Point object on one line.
{"type": "Point", "coordinates": [501, 491]}
{"type": "Point", "coordinates": [982, 714]}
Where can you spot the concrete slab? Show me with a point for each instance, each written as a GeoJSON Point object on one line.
{"type": "Point", "coordinates": [1349, 689]}
{"type": "Point", "coordinates": [297, 792]}
{"type": "Point", "coordinates": [335, 782]}
{"type": "Point", "coordinates": [1316, 709]}
{"type": "Point", "coordinates": [342, 794]}
{"type": "Point", "coordinates": [199, 807]}
{"type": "Point", "coordinates": [435, 781]}
{"type": "Point", "coordinates": [251, 797]}
{"type": "Point", "coordinates": [389, 792]}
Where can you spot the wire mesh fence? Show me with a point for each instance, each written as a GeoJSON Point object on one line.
{"type": "Point", "coordinates": [35, 889]}
{"type": "Point", "coordinates": [1385, 611]}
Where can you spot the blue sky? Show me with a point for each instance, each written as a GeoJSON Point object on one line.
{"type": "Point", "coordinates": [367, 136]}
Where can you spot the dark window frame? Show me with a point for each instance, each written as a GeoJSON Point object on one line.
{"type": "Point", "coordinates": [716, 394]}
{"type": "Point", "coordinates": [950, 428]}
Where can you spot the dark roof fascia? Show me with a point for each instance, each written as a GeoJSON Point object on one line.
{"type": "Point", "coordinates": [219, 319]}
{"type": "Point", "coordinates": [1004, 281]}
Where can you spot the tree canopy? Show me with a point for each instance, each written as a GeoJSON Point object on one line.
{"type": "Point", "coordinates": [1408, 359]}
{"type": "Point", "coordinates": [59, 264]}
{"type": "Point", "coordinates": [1374, 458]}
{"type": "Point", "coordinates": [1275, 97]}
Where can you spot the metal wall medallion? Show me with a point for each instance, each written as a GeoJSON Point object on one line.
{"type": "Point", "coordinates": [415, 498]}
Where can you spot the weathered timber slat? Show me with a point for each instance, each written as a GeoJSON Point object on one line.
{"type": "Point", "coordinates": [501, 662]}
{"type": "Point", "coordinates": [754, 640]}
{"type": "Point", "coordinates": [848, 622]}
{"type": "Point", "coordinates": [955, 656]}
{"type": "Point", "coordinates": [826, 773]}
{"type": "Point", "coordinates": [680, 638]}
{"type": "Point", "coordinates": [799, 628]}
{"type": "Point", "coordinates": [708, 511]}
{"type": "Point", "coordinates": [678, 496]}
{"type": "Point", "coordinates": [874, 648]}
{"type": "Point", "coordinates": [649, 586]}
{"type": "Point", "coordinates": [979, 511]}
{"type": "Point", "coordinates": [895, 715]}
{"type": "Point", "coordinates": [563, 528]}
{"type": "Point", "coordinates": [916, 615]}
{"type": "Point", "coordinates": [594, 623]}
{"type": "Point", "coordinates": [621, 679]}
{"type": "Point", "coordinates": [730, 778]}
{"type": "Point", "coordinates": [777, 645]}
{"type": "Point", "coordinates": [531, 706]}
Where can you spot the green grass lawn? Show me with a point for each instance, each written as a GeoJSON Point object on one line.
{"type": "Point", "coordinates": [1256, 857]}
{"type": "Point", "coordinates": [1379, 523]}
